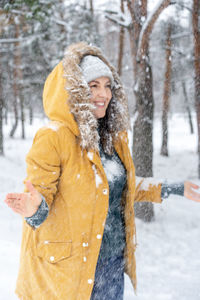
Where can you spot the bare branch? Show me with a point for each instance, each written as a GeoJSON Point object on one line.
{"type": "Point", "coordinates": [181, 53]}
{"type": "Point", "coordinates": [184, 6]}
{"type": "Point", "coordinates": [130, 5]}
{"type": "Point", "coordinates": [111, 12]}
{"type": "Point", "coordinates": [60, 22]}
{"type": "Point", "coordinates": [119, 19]}
{"type": "Point", "coordinates": [148, 26]}
{"type": "Point", "coordinates": [181, 34]}
{"type": "Point", "coordinates": [117, 22]}
{"type": "Point", "coordinates": [20, 39]}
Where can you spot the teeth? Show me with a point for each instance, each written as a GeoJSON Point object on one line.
{"type": "Point", "coordinates": [99, 104]}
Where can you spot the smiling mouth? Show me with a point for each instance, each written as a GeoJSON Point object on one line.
{"type": "Point", "coordinates": [99, 104]}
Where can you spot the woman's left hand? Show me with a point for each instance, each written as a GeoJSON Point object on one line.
{"type": "Point", "coordinates": [189, 191]}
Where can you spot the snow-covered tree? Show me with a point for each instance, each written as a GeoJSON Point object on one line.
{"type": "Point", "coordinates": [34, 38]}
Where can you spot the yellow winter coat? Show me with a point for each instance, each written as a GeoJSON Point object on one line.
{"type": "Point", "coordinates": [59, 258]}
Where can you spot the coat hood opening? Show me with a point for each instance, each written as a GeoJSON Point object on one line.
{"type": "Point", "coordinates": [66, 99]}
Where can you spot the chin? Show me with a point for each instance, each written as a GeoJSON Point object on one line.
{"type": "Point", "coordinates": [100, 115]}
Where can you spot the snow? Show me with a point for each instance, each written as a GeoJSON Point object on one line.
{"type": "Point", "coordinates": [168, 255]}
{"type": "Point", "coordinates": [145, 182]}
{"type": "Point", "coordinates": [112, 169]}
{"type": "Point", "coordinates": [90, 155]}
{"type": "Point", "coordinates": [98, 179]}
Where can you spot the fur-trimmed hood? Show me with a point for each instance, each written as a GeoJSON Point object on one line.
{"type": "Point", "coordinates": [66, 99]}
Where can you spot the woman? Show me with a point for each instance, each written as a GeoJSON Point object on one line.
{"type": "Point", "coordinates": [79, 231]}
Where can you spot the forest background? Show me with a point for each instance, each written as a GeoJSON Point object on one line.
{"type": "Point", "coordinates": [155, 46]}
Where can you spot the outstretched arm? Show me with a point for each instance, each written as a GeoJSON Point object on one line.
{"type": "Point", "coordinates": [152, 190]}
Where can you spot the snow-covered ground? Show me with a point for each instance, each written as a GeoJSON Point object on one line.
{"type": "Point", "coordinates": [168, 253]}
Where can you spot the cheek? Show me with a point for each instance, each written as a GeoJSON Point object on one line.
{"type": "Point", "coordinates": [109, 96]}
{"type": "Point", "coordinates": [93, 95]}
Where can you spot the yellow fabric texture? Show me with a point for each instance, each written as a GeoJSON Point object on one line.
{"type": "Point", "coordinates": [59, 258]}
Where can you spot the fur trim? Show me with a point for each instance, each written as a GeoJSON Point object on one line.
{"type": "Point", "coordinates": [117, 117]}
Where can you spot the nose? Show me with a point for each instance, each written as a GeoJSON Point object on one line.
{"type": "Point", "coordinates": [102, 92]}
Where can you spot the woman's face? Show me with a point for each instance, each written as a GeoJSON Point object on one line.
{"type": "Point", "coordinates": [101, 95]}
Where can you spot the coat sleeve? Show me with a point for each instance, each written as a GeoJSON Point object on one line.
{"type": "Point", "coordinates": [43, 164]}
{"type": "Point", "coordinates": [148, 190]}
{"type": "Point", "coordinates": [172, 188]}
{"type": "Point", "coordinates": [40, 216]}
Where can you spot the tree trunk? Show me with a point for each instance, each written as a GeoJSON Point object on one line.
{"type": "Point", "coordinates": [121, 43]}
{"type": "Point", "coordinates": [91, 7]}
{"type": "Point", "coordinates": [142, 140]}
{"type": "Point", "coordinates": [5, 115]}
{"type": "Point", "coordinates": [143, 136]}
{"type": "Point", "coordinates": [187, 107]}
{"type": "Point", "coordinates": [196, 33]}
{"type": "Point", "coordinates": [143, 127]}
{"type": "Point", "coordinates": [1, 123]}
{"type": "Point", "coordinates": [15, 84]}
{"type": "Point", "coordinates": [1, 113]}
{"type": "Point", "coordinates": [166, 94]}
{"type": "Point", "coordinates": [22, 116]}
{"type": "Point", "coordinates": [18, 77]}
{"type": "Point", "coordinates": [30, 114]}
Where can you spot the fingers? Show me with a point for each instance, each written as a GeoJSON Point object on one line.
{"type": "Point", "coordinates": [18, 210]}
{"type": "Point", "coordinates": [195, 186]}
{"type": "Point", "coordinates": [13, 196]}
{"type": "Point", "coordinates": [15, 205]}
{"type": "Point", "coordinates": [192, 195]}
{"type": "Point", "coordinates": [17, 201]}
{"type": "Point", "coordinates": [24, 204]}
{"type": "Point", "coordinates": [195, 196]}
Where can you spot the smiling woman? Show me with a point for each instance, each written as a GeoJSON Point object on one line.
{"type": "Point", "coordinates": [79, 234]}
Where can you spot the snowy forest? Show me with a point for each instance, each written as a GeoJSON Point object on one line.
{"type": "Point", "coordinates": [155, 47]}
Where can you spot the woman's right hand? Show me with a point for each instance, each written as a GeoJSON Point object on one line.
{"type": "Point", "coordinates": [25, 204]}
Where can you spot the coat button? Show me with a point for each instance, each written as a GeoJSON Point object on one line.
{"type": "Point", "coordinates": [98, 236]}
{"type": "Point", "coordinates": [84, 258]}
{"type": "Point", "coordinates": [85, 244]}
{"type": "Point", "coordinates": [90, 281]}
{"type": "Point", "coordinates": [105, 191]}
{"type": "Point", "coordinates": [52, 258]}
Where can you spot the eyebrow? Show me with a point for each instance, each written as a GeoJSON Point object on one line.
{"type": "Point", "coordinates": [108, 81]}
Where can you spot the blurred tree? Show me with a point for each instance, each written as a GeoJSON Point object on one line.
{"type": "Point", "coordinates": [121, 43]}
{"type": "Point", "coordinates": [187, 104]}
{"type": "Point", "coordinates": [166, 93]}
{"type": "Point", "coordinates": [196, 33]}
{"type": "Point", "coordinates": [141, 29]}
{"type": "Point", "coordinates": [17, 80]}
{"type": "Point", "coordinates": [1, 111]}
{"type": "Point", "coordinates": [36, 34]}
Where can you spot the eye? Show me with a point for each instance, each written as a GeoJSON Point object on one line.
{"type": "Point", "coordinates": [108, 86]}
{"type": "Point", "coordinates": [93, 85]}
